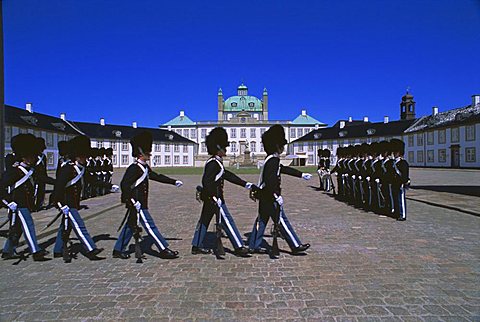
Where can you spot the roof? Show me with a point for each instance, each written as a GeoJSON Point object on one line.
{"type": "Point", "coordinates": [306, 119]}
{"type": "Point", "coordinates": [357, 129]}
{"type": "Point", "coordinates": [242, 103]}
{"type": "Point", "coordinates": [458, 116]}
{"type": "Point", "coordinates": [124, 132]}
{"type": "Point", "coordinates": [180, 120]}
{"type": "Point", "coordinates": [21, 117]}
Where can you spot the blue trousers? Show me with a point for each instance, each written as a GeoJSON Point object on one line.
{"type": "Point", "coordinates": [75, 223]}
{"type": "Point", "coordinates": [23, 224]}
{"type": "Point", "coordinates": [148, 224]}
{"type": "Point", "coordinates": [399, 201]}
{"type": "Point", "coordinates": [208, 210]}
{"type": "Point", "coordinates": [267, 209]}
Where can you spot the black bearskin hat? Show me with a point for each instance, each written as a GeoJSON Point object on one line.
{"type": "Point", "coordinates": [397, 146]}
{"type": "Point", "coordinates": [319, 152]}
{"type": "Point", "coordinates": [327, 153]}
{"type": "Point", "coordinates": [41, 144]}
{"type": "Point", "coordinates": [273, 138]}
{"type": "Point", "coordinates": [216, 139]}
{"type": "Point", "coordinates": [24, 145]}
{"type": "Point", "coordinates": [63, 148]}
{"type": "Point", "coordinates": [141, 143]}
{"type": "Point", "coordinates": [109, 152]}
{"type": "Point", "coordinates": [80, 146]}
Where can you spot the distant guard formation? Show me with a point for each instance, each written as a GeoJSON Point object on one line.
{"type": "Point", "coordinates": [372, 176]}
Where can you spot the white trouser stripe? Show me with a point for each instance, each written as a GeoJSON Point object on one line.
{"type": "Point", "coordinates": [391, 197]}
{"type": "Point", "coordinates": [150, 231]}
{"type": "Point", "coordinates": [27, 231]}
{"type": "Point", "coordinates": [79, 232]}
{"type": "Point", "coordinates": [403, 211]}
{"type": "Point", "coordinates": [239, 244]}
{"type": "Point", "coordinates": [295, 242]}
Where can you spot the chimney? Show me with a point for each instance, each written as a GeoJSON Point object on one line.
{"type": "Point", "coordinates": [317, 126]}
{"type": "Point", "coordinates": [365, 118]}
{"type": "Point", "coordinates": [475, 100]}
{"type": "Point", "coordinates": [304, 112]}
{"type": "Point", "coordinates": [102, 121]}
{"type": "Point", "coordinates": [63, 116]}
{"type": "Point", "coordinates": [434, 110]}
{"type": "Point", "coordinates": [350, 119]}
{"type": "Point", "coordinates": [134, 125]}
{"type": "Point", "coordinates": [342, 124]}
{"type": "Point", "coordinates": [169, 128]}
{"type": "Point", "coordinates": [182, 113]}
{"type": "Point", "coordinates": [28, 107]}
{"type": "Point", "coordinates": [385, 119]}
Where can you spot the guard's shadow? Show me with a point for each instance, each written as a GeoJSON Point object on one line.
{"type": "Point", "coordinates": [461, 190]}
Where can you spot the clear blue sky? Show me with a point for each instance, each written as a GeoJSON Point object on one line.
{"type": "Point", "coordinates": [144, 60]}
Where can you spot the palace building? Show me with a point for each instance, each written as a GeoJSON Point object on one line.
{"type": "Point", "coordinates": [245, 117]}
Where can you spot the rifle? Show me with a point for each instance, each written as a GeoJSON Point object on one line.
{"type": "Point", "coordinates": [276, 231]}
{"type": "Point", "coordinates": [65, 237]}
{"type": "Point", "coordinates": [218, 230]}
{"type": "Point", "coordinates": [137, 236]}
{"type": "Point", "coordinates": [53, 220]}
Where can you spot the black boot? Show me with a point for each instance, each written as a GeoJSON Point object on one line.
{"type": "Point", "coordinates": [301, 248]}
{"type": "Point", "coordinates": [92, 255]}
{"type": "Point", "coordinates": [197, 250]}
{"type": "Point", "coordinates": [40, 256]}
{"type": "Point", "coordinates": [121, 255]}
{"type": "Point", "coordinates": [242, 252]}
{"type": "Point", "coordinates": [167, 253]}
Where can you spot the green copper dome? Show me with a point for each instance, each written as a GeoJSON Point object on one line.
{"type": "Point", "coordinates": [243, 103]}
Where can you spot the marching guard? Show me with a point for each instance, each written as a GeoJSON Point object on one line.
{"type": "Point", "coordinates": [213, 197]}
{"type": "Point", "coordinates": [17, 193]}
{"type": "Point", "coordinates": [270, 193]}
{"type": "Point", "coordinates": [134, 187]}
{"type": "Point", "coordinates": [400, 180]}
{"type": "Point", "coordinates": [67, 195]}
{"type": "Point", "coordinates": [40, 174]}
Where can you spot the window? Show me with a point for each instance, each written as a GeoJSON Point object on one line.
{"type": "Point", "coordinates": [22, 130]}
{"type": "Point", "coordinates": [49, 139]}
{"type": "Point", "coordinates": [204, 147]}
{"type": "Point", "coordinates": [307, 131]}
{"type": "Point", "coordinates": [253, 133]}
{"type": "Point", "coordinates": [203, 133]}
{"type": "Point", "coordinates": [185, 148]}
{"type": "Point", "coordinates": [233, 146]}
{"type": "Point", "coordinates": [100, 144]}
{"type": "Point", "coordinates": [419, 156]}
{"type": "Point", "coordinates": [262, 149]}
{"type": "Point", "coordinates": [310, 146]}
{"type": "Point", "coordinates": [470, 155]}
{"type": "Point", "coordinates": [455, 135]}
{"type": "Point", "coordinates": [114, 159]}
{"type": "Point", "coordinates": [410, 157]}
{"type": "Point", "coordinates": [167, 147]}
{"type": "Point", "coordinates": [330, 146]}
{"type": "Point", "coordinates": [124, 146]}
{"type": "Point", "coordinates": [470, 132]}
{"type": "Point", "coordinates": [158, 147]}
{"type": "Point", "coordinates": [50, 159]}
{"type": "Point", "coordinates": [167, 159]}
{"type": "Point", "coordinates": [430, 156]}
{"type": "Point", "coordinates": [300, 133]}
{"type": "Point", "coordinates": [193, 134]}
{"type": "Point", "coordinates": [37, 133]}
{"type": "Point", "coordinates": [176, 159]}
{"type": "Point", "coordinates": [300, 147]}
{"type": "Point", "coordinates": [430, 138]}
{"type": "Point", "coordinates": [176, 148]}
{"type": "Point", "coordinates": [124, 159]}
{"type": "Point", "coordinates": [340, 143]}
{"type": "Point", "coordinates": [442, 155]}
{"type": "Point", "coordinates": [262, 130]}
{"type": "Point", "coordinates": [113, 145]}
{"type": "Point", "coordinates": [185, 133]}
{"type": "Point", "coordinates": [233, 133]}
{"type": "Point", "coordinates": [243, 133]}
{"type": "Point", "coordinates": [8, 134]}
{"type": "Point", "coordinates": [442, 136]}
{"type": "Point", "coordinates": [420, 139]}
{"type": "Point", "coordinates": [410, 140]}
{"type": "Point", "coordinates": [156, 160]}
{"type": "Point", "coordinates": [310, 159]}
{"type": "Point", "coordinates": [179, 131]}
{"type": "Point", "coordinates": [185, 159]}
{"type": "Point", "coordinates": [293, 133]}
{"type": "Point", "coordinates": [253, 146]}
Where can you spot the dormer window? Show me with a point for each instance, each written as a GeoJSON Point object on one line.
{"type": "Point", "coordinates": [30, 119]}
{"type": "Point", "coordinates": [370, 131]}
{"type": "Point", "coordinates": [251, 104]}
{"type": "Point", "coordinates": [342, 133]}
{"type": "Point", "coordinates": [317, 135]}
{"type": "Point", "coordinates": [234, 104]}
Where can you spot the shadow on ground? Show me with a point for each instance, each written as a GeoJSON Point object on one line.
{"type": "Point", "coordinates": [461, 190]}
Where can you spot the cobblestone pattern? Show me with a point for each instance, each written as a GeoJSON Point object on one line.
{"type": "Point", "coordinates": [361, 267]}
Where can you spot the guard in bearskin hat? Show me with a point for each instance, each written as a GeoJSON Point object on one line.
{"type": "Point", "coordinates": [320, 167]}
{"type": "Point", "coordinates": [64, 155]}
{"type": "Point", "coordinates": [67, 195]}
{"type": "Point", "coordinates": [338, 171]}
{"type": "Point", "coordinates": [17, 193]}
{"type": "Point", "coordinates": [400, 180]}
{"type": "Point", "coordinates": [270, 194]}
{"type": "Point", "coordinates": [134, 187]}
{"type": "Point", "coordinates": [213, 197]}
{"type": "Point", "coordinates": [40, 176]}
{"type": "Point", "coordinates": [327, 178]}
{"type": "Point", "coordinates": [108, 169]}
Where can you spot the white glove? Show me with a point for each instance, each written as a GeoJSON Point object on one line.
{"type": "Point", "coordinates": [12, 206]}
{"type": "Point", "coordinates": [377, 180]}
{"type": "Point", "coordinates": [368, 179]}
{"type": "Point", "coordinates": [137, 205]}
{"type": "Point", "coordinates": [178, 183]}
{"type": "Point", "coordinates": [219, 202]}
{"type": "Point", "coordinates": [353, 177]}
{"type": "Point", "coordinates": [279, 200]}
{"type": "Point", "coordinates": [65, 209]}
{"type": "Point", "coordinates": [306, 176]}
{"type": "Point", "coordinates": [249, 185]}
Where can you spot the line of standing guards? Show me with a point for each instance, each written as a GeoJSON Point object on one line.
{"type": "Point", "coordinates": [374, 177]}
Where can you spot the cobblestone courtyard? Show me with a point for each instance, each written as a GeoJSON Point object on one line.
{"type": "Point", "coordinates": [361, 267]}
